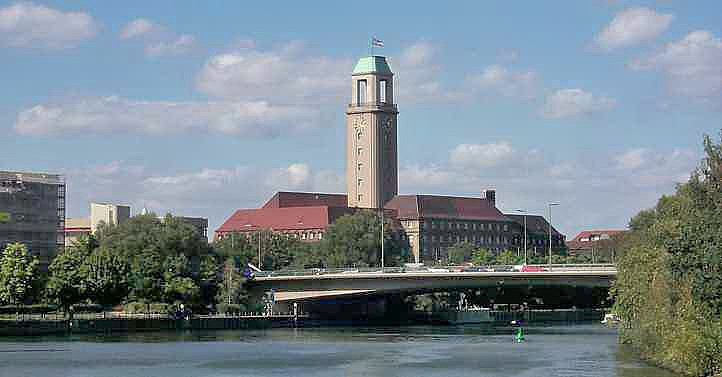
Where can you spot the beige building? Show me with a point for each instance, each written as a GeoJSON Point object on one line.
{"type": "Point", "coordinates": [371, 171]}
{"type": "Point", "coordinates": [107, 213]}
{"type": "Point", "coordinates": [76, 228]}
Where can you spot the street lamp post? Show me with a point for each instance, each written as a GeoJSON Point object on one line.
{"type": "Point", "coordinates": [525, 241]}
{"type": "Point", "coordinates": [550, 233]}
{"type": "Point", "coordinates": [382, 239]}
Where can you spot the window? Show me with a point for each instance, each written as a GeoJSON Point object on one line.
{"type": "Point", "coordinates": [361, 91]}
{"type": "Point", "coordinates": [382, 91]}
{"type": "Point", "coordinates": [360, 197]}
{"type": "Point", "coordinates": [360, 166]}
{"type": "Point", "coordinates": [360, 182]}
{"type": "Point", "coordinates": [360, 151]}
{"type": "Point", "coordinates": [319, 235]}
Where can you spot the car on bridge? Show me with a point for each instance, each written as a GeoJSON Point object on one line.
{"type": "Point", "coordinates": [532, 269]}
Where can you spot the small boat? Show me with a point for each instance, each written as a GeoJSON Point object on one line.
{"type": "Point", "coordinates": [610, 319]}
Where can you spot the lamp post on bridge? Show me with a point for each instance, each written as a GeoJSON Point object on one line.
{"type": "Point", "coordinates": [524, 212]}
{"type": "Point", "coordinates": [550, 233]}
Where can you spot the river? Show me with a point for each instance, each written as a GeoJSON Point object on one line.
{"type": "Point", "coordinates": [580, 350]}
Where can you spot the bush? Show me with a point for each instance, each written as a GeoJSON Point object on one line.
{"type": "Point", "coordinates": [230, 308]}
{"type": "Point", "coordinates": [87, 308]}
{"type": "Point", "coordinates": [142, 307]}
{"type": "Point", "coordinates": [28, 309]}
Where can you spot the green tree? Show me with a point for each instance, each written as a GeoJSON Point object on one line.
{"type": "Point", "coordinates": [482, 257]}
{"type": "Point", "coordinates": [67, 281]}
{"type": "Point", "coordinates": [18, 270]}
{"type": "Point", "coordinates": [508, 258]}
{"type": "Point", "coordinates": [146, 276]}
{"type": "Point", "coordinates": [668, 291]}
{"type": "Point", "coordinates": [232, 289]}
{"type": "Point", "coordinates": [353, 240]}
{"type": "Point", "coordinates": [183, 290]}
{"type": "Point", "coordinates": [460, 252]}
{"type": "Point", "coordinates": [105, 277]}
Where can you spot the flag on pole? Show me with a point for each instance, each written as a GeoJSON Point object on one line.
{"type": "Point", "coordinates": [376, 42]}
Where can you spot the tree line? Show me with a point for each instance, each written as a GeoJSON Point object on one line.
{"type": "Point", "coordinates": [668, 292]}
{"type": "Point", "coordinates": [146, 261]}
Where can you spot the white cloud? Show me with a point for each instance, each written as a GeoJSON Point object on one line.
{"type": "Point", "coordinates": [417, 54]}
{"type": "Point", "coordinates": [209, 192]}
{"type": "Point", "coordinates": [119, 115]}
{"type": "Point", "coordinates": [500, 80]}
{"type": "Point", "coordinates": [632, 159]}
{"type": "Point", "coordinates": [178, 46]}
{"type": "Point", "coordinates": [597, 191]}
{"type": "Point", "coordinates": [418, 75]}
{"type": "Point", "coordinates": [692, 65]}
{"type": "Point", "coordinates": [632, 26]}
{"type": "Point", "coordinates": [25, 24]}
{"type": "Point", "coordinates": [137, 28]}
{"type": "Point", "coordinates": [286, 73]}
{"type": "Point", "coordinates": [481, 155]}
{"type": "Point", "coordinates": [570, 103]}
{"type": "Point", "coordinates": [159, 41]}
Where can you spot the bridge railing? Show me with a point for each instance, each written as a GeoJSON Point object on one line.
{"type": "Point", "coordinates": [437, 269]}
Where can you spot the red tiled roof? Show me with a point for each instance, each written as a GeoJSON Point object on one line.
{"type": "Point", "coordinates": [451, 207]}
{"type": "Point", "coordinates": [282, 219]}
{"type": "Point", "coordinates": [576, 243]}
{"type": "Point", "coordinates": [589, 233]}
{"type": "Point", "coordinates": [283, 199]}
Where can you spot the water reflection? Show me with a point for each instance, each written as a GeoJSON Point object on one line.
{"type": "Point", "coordinates": [588, 350]}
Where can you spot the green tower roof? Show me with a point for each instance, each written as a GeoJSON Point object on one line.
{"type": "Point", "coordinates": [372, 64]}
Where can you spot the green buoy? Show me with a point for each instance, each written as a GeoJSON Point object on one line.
{"type": "Point", "coordinates": [519, 337]}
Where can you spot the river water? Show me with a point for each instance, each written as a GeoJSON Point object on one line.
{"type": "Point", "coordinates": [580, 350]}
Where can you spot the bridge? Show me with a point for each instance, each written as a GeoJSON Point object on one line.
{"type": "Point", "coordinates": [319, 284]}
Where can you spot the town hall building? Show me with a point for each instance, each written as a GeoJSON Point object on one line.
{"type": "Point", "coordinates": [431, 223]}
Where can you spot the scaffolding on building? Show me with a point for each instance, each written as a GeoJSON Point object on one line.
{"type": "Point", "coordinates": [32, 212]}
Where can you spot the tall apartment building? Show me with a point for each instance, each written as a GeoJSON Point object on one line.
{"type": "Point", "coordinates": [32, 212]}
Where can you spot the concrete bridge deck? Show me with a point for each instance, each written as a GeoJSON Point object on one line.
{"type": "Point", "coordinates": [349, 283]}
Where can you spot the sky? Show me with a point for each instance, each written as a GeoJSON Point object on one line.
{"type": "Point", "coordinates": [199, 109]}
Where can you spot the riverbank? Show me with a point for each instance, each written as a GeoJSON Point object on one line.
{"type": "Point", "coordinates": [101, 323]}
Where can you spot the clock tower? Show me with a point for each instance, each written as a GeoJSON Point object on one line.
{"type": "Point", "coordinates": [371, 147]}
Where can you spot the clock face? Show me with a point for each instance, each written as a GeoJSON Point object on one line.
{"type": "Point", "coordinates": [359, 123]}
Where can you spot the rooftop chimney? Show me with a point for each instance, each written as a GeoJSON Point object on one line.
{"type": "Point", "coordinates": [489, 196]}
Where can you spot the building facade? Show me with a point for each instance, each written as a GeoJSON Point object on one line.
{"type": "Point", "coordinates": [199, 223]}
{"type": "Point", "coordinates": [32, 212]}
{"type": "Point", "coordinates": [76, 228]}
{"type": "Point", "coordinates": [371, 145]}
{"type": "Point", "coordinates": [301, 215]}
{"type": "Point", "coordinates": [111, 214]}
{"type": "Point", "coordinates": [586, 242]}
{"type": "Point", "coordinates": [431, 223]}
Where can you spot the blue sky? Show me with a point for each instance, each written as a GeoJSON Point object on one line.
{"type": "Point", "coordinates": [202, 109]}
